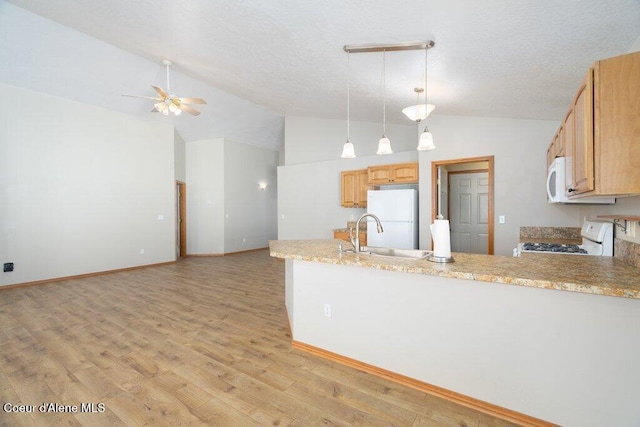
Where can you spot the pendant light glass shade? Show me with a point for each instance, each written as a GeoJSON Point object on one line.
{"type": "Point", "coordinates": [418, 112]}
{"type": "Point", "coordinates": [384, 145]}
{"type": "Point", "coordinates": [348, 152]}
{"type": "Point", "coordinates": [426, 141]}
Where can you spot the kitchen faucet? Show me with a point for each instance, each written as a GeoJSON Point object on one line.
{"type": "Point", "coordinates": [355, 241]}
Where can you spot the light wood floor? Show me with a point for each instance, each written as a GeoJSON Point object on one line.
{"type": "Point", "coordinates": [204, 341]}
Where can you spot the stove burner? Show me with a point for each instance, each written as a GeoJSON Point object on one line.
{"type": "Point", "coordinates": [553, 247]}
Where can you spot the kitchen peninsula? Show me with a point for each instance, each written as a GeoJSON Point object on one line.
{"type": "Point", "coordinates": [555, 337]}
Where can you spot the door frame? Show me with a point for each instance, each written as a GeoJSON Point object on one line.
{"type": "Point", "coordinates": [434, 188]}
{"type": "Point", "coordinates": [181, 220]}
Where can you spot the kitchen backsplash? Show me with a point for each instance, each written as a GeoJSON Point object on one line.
{"type": "Point", "coordinates": [550, 233]}
{"type": "Point", "coordinates": [352, 224]}
{"type": "Point", "coordinates": [628, 252]}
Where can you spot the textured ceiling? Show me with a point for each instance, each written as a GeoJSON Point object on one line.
{"type": "Point", "coordinates": [499, 58]}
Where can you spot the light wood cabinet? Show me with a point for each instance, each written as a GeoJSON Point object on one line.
{"type": "Point", "coordinates": [400, 173]}
{"type": "Point", "coordinates": [582, 160]}
{"type": "Point", "coordinates": [354, 186]}
{"type": "Point", "coordinates": [617, 125]}
{"type": "Point", "coordinates": [557, 146]}
{"type": "Point", "coordinates": [601, 131]}
{"type": "Point", "coordinates": [344, 235]}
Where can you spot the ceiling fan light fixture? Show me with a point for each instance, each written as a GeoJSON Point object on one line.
{"type": "Point", "coordinates": [167, 102]}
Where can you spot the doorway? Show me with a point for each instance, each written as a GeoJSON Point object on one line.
{"type": "Point", "coordinates": [181, 219]}
{"type": "Point", "coordinates": [462, 192]}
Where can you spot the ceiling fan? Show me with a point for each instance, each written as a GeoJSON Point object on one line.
{"type": "Point", "coordinates": [167, 102]}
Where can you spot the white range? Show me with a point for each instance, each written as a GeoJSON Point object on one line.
{"type": "Point", "coordinates": [597, 239]}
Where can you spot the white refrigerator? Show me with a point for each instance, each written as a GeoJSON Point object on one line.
{"type": "Point", "coordinates": [398, 213]}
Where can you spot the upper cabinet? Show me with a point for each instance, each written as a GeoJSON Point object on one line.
{"type": "Point", "coordinates": [601, 131]}
{"type": "Point", "coordinates": [582, 160]}
{"type": "Point", "coordinates": [400, 173]}
{"type": "Point", "coordinates": [354, 186]}
{"type": "Point", "coordinates": [617, 125]}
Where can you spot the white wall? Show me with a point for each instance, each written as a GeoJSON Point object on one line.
{"type": "Point", "coordinates": [205, 196]}
{"type": "Point", "coordinates": [78, 191]}
{"type": "Point", "coordinates": [519, 148]}
{"type": "Point", "coordinates": [226, 210]}
{"type": "Point", "coordinates": [250, 213]}
{"type": "Point", "coordinates": [309, 193]}
{"type": "Point", "coordinates": [310, 140]}
{"type": "Point", "coordinates": [564, 357]}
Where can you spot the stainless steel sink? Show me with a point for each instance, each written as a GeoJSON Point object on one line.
{"type": "Point", "coordinates": [396, 253]}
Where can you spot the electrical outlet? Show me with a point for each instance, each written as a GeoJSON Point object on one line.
{"type": "Point", "coordinates": [8, 266]}
{"type": "Point", "coordinates": [327, 310]}
{"type": "Point", "coordinates": [631, 228]}
{"type": "Point", "coordinates": [141, 251]}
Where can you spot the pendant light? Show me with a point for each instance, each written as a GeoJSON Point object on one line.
{"type": "Point", "coordinates": [418, 112]}
{"type": "Point", "coordinates": [348, 151]}
{"type": "Point", "coordinates": [384, 145]}
{"type": "Point", "coordinates": [426, 138]}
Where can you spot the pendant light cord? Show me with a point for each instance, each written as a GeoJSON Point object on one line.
{"type": "Point", "coordinates": [348, 95]}
{"type": "Point", "coordinates": [426, 49]}
{"type": "Point", "coordinates": [384, 93]}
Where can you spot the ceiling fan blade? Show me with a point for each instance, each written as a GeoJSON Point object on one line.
{"type": "Point", "coordinates": [189, 109]}
{"type": "Point", "coordinates": [143, 97]}
{"type": "Point", "coordinates": [192, 101]}
{"type": "Point", "coordinates": [160, 91]}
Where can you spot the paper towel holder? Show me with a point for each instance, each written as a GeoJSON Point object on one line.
{"type": "Point", "coordinates": [440, 259]}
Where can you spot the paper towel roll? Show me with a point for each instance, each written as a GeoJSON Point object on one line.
{"type": "Point", "coordinates": [441, 238]}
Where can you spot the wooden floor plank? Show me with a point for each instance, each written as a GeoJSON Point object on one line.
{"type": "Point", "coordinates": [204, 341]}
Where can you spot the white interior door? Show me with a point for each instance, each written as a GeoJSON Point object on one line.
{"type": "Point", "coordinates": [469, 212]}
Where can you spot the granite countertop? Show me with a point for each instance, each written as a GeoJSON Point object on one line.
{"type": "Point", "coordinates": [586, 274]}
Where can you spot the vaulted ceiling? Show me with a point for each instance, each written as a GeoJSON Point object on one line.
{"type": "Point", "coordinates": [498, 58]}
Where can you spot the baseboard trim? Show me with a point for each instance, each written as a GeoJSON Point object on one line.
{"type": "Point", "coordinates": [227, 253]}
{"type": "Point", "coordinates": [81, 276]}
{"type": "Point", "coordinates": [452, 396]}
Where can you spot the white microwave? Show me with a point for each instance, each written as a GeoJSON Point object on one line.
{"type": "Point", "coordinates": [556, 187]}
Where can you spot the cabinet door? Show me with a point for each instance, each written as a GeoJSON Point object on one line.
{"type": "Point", "coordinates": [354, 186]}
{"type": "Point", "coordinates": [379, 175]}
{"type": "Point", "coordinates": [617, 125]}
{"type": "Point", "coordinates": [565, 135]}
{"type": "Point", "coordinates": [568, 151]}
{"type": "Point", "coordinates": [362, 185]}
{"type": "Point", "coordinates": [583, 137]}
{"type": "Point", "coordinates": [348, 189]}
{"type": "Point", "coordinates": [404, 172]}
